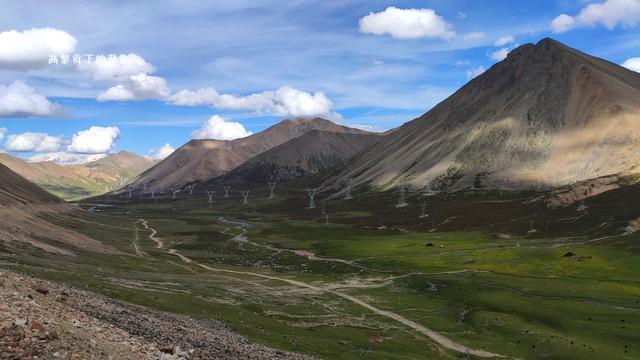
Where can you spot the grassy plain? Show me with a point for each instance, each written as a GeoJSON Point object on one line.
{"type": "Point", "coordinates": [490, 271]}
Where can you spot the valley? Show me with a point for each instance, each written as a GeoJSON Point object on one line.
{"type": "Point", "coordinates": [502, 223]}
{"type": "Point", "coordinates": [483, 275]}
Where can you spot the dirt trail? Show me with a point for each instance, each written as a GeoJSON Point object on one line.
{"type": "Point", "coordinates": [152, 236]}
{"type": "Point", "coordinates": [136, 239]}
{"type": "Point", "coordinates": [242, 238]}
{"type": "Point", "coordinates": [438, 338]}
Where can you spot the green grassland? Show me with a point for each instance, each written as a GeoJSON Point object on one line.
{"type": "Point", "coordinates": [486, 270]}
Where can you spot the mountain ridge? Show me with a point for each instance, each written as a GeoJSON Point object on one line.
{"type": "Point", "coordinates": [307, 154]}
{"type": "Point", "coordinates": [547, 115]}
{"type": "Point", "coordinates": [75, 181]}
{"type": "Point", "coordinates": [200, 160]}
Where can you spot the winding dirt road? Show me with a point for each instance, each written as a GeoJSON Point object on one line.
{"type": "Point", "coordinates": [438, 338]}
{"type": "Point", "coordinates": [242, 238]}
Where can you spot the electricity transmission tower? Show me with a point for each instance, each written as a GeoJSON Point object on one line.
{"type": "Point", "coordinates": [312, 194]}
{"type": "Point", "coordinates": [245, 197]}
{"type": "Point", "coordinates": [402, 200]}
{"type": "Point", "coordinates": [272, 188]}
{"type": "Point", "coordinates": [210, 194]}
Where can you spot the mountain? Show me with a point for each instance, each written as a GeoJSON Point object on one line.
{"type": "Point", "coordinates": [76, 181]}
{"type": "Point", "coordinates": [24, 208]}
{"type": "Point", "coordinates": [16, 190]}
{"type": "Point", "coordinates": [201, 160]}
{"type": "Point", "coordinates": [547, 115]}
{"type": "Point", "coordinates": [307, 154]}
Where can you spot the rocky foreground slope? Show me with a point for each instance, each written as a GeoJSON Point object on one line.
{"type": "Point", "coordinates": [46, 320]}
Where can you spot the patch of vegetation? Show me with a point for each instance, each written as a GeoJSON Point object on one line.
{"type": "Point", "coordinates": [480, 180]}
{"type": "Point", "coordinates": [448, 179]}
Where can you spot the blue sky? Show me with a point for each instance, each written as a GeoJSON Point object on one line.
{"type": "Point", "coordinates": [356, 62]}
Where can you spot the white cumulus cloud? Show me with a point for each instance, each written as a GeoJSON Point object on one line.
{"type": "Point", "coordinates": [95, 140]}
{"type": "Point", "coordinates": [632, 64]}
{"type": "Point", "coordinates": [504, 40]}
{"type": "Point", "coordinates": [609, 13]}
{"type": "Point", "coordinates": [285, 101]}
{"type": "Point", "coordinates": [407, 24]}
{"type": "Point", "coordinates": [499, 54]}
{"type": "Point", "coordinates": [562, 23]}
{"type": "Point", "coordinates": [2, 132]}
{"type": "Point", "coordinates": [117, 70]}
{"type": "Point", "coordinates": [137, 87]}
{"type": "Point", "coordinates": [66, 158]}
{"type": "Point", "coordinates": [33, 142]}
{"type": "Point", "coordinates": [471, 73]}
{"type": "Point", "coordinates": [130, 76]}
{"type": "Point", "coordinates": [219, 128]}
{"type": "Point", "coordinates": [161, 153]}
{"type": "Point", "coordinates": [30, 49]}
{"type": "Point", "coordinates": [21, 100]}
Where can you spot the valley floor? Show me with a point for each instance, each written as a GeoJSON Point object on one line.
{"type": "Point", "coordinates": [479, 277]}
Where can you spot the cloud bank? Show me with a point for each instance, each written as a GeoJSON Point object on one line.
{"type": "Point", "coordinates": [285, 101]}
{"type": "Point", "coordinates": [30, 49]}
{"type": "Point", "coordinates": [611, 13]}
{"type": "Point", "coordinates": [66, 158]}
{"type": "Point", "coordinates": [20, 100]}
{"type": "Point", "coordinates": [33, 142]}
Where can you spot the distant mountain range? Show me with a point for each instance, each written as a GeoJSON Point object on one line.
{"type": "Point", "coordinates": [307, 154]}
{"type": "Point", "coordinates": [201, 160]}
{"type": "Point", "coordinates": [77, 181]}
{"type": "Point", "coordinates": [547, 115]}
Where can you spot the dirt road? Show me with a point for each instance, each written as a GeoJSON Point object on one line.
{"type": "Point", "coordinates": [438, 338]}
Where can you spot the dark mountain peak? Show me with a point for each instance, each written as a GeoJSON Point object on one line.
{"type": "Point", "coordinates": [304, 120]}
{"type": "Point", "coordinates": [547, 114]}
{"type": "Point", "coordinates": [546, 47]}
{"type": "Point", "coordinates": [304, 123]}
{"type": "Point", "coordinates": [549, 42]}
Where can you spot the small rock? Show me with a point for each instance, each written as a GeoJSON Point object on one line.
{"type": "Point", "coordinates": [37, 326]}
{"type": "Point", "coordinates": [20, 322]}
{"type": "Point", "coordinates": [41, 290]}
